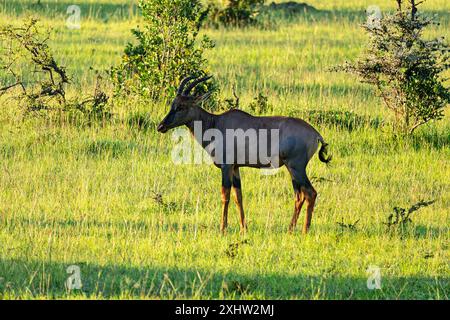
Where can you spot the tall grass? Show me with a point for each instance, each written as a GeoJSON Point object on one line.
{"type": "Point", "coordinates": [109, 199]}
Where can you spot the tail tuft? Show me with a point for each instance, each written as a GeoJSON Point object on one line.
{"type": "Point", "coordinates": [323, 153]}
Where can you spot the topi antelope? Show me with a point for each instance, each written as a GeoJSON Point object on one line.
{"type": "Point", "coordinates": [294, 141]}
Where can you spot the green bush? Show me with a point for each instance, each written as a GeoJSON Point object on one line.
{"type": "Point", "coordinates": [168, 49]}
{"type": "Point", "coordinates": [406, 69]}
{"type": "Point", "coordinates": [237, 13]}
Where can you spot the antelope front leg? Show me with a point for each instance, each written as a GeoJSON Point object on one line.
{"type": "Point", "coordinates": [238, 198]}
{"type": "Point", "coordinates": [225, 193]}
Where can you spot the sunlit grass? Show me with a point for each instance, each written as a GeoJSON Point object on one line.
{"type": "Point", "coordinates": [84, 195]}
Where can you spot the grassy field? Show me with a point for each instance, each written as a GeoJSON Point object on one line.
{"type": "Point", "coordinates": [91, 195]}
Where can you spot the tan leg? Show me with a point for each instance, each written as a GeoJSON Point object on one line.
{"type": "Point", "coordinates": [310, 198]}
{"type": "Point", "coordinates": [238, 200]}
{"type": "Point", "coordinates": [225, 202]}
{"type": "Point", "coordinates": [237, 191]}
{"type": "Point", "coordinates": [299, 200]}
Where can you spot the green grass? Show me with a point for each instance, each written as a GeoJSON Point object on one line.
{"type": "Point", "coordinates": [86, 195]}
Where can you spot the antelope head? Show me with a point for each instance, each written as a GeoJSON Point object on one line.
{"type": "Point", "coordinates": [184, 105]}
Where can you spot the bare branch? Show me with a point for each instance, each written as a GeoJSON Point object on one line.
{"type": "Point", "coordinates": [4, 89]}
{"type": "Point", "coordinates": [236, 98]}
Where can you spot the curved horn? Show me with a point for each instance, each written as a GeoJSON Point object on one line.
{"type": "Point", "coordinates": [194, 83]}
{"type": "Point", "coordinates": [183, 83]}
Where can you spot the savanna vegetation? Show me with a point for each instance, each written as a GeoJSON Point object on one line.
{"type": "Point", "coordinates": [103, 193]}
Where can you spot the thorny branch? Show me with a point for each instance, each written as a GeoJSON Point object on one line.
{"type": "Point", "coordinates": [28, 45]}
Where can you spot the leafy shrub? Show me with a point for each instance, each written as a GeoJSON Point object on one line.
{"type": "Point", "coordinates": [168, 49]}
{"type": "Point", "coordinates": [405, 68]}
{"type": "Point", "coordinates": [112, 148]}
{"type": "Point", "coordinates": [237, 13]}
{"type": "Point", "coordinates": [402, 216]}
{"type": "Point", "coordinates": [290, 8]}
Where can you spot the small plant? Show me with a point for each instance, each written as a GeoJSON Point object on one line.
{"type": "Point", "coordinates": [236, 287]}
{"type": "Point", "coordinates": [158, 198]}
{"type": "Point", "coordinates": [168, 49]}
{"type": "Point", "coordinates": [405, 68]}
{"type": "Point", "coordinates": [347, 226]}
{"type": "Point", "coordinates": [320, 179]}
{"type": "Point", "coordinates": [233, 249]}
{"type": "Point", "coordinates": [343, 227]}
{"type": "Point", "coordinates": [346, 120]}
{"type": "Point", "coordinates": [260, 104]}
{"type": "Point", "coordinates": [222, 105]}
{"type": "Point", "coordinates": [95, 105]}
{"type": "Point", "coordinates": [401, 216]}
{"type": "Point", "coordinates": [232, 103]}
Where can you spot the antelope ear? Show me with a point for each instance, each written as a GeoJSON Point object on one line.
{"type": "Point", "coordinates": [203, 97]}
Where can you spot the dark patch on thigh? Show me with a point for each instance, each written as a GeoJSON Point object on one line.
{"type": "Point", "coordinates": [296, 184]}
{"type": "Point", "coordinates": [299, 184]}
{"type": "Point", "coordinates": [226, 183]}
{"type": "Point", "coordinates": [236, 182]}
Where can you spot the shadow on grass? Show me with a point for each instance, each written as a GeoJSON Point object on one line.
{"type": "Point", "coordinates": [7, 151]}
{"type": "Point", "coordinates": [386, 144]}
{"type": "Point", "coordinates": [141, 121]}
{"type": "Point", "coordinates": [44, 278]}
{"type": "Point", "coordinates": [346, 120]}
{"type": "Point", "coordinates": [432, 139]}
{"type": "Point", "coordinates": [317, 90]}
{"type": "Point", "coordinates": [418, 231]}
{"type": "Point", "coordinates": [113, 148]}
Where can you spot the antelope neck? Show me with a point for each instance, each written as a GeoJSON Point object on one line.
{"type": "Point", "coordinates": [207, 119]}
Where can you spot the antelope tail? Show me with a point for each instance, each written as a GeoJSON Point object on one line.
{"type": "Point", "coordinates": [323, 152]}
